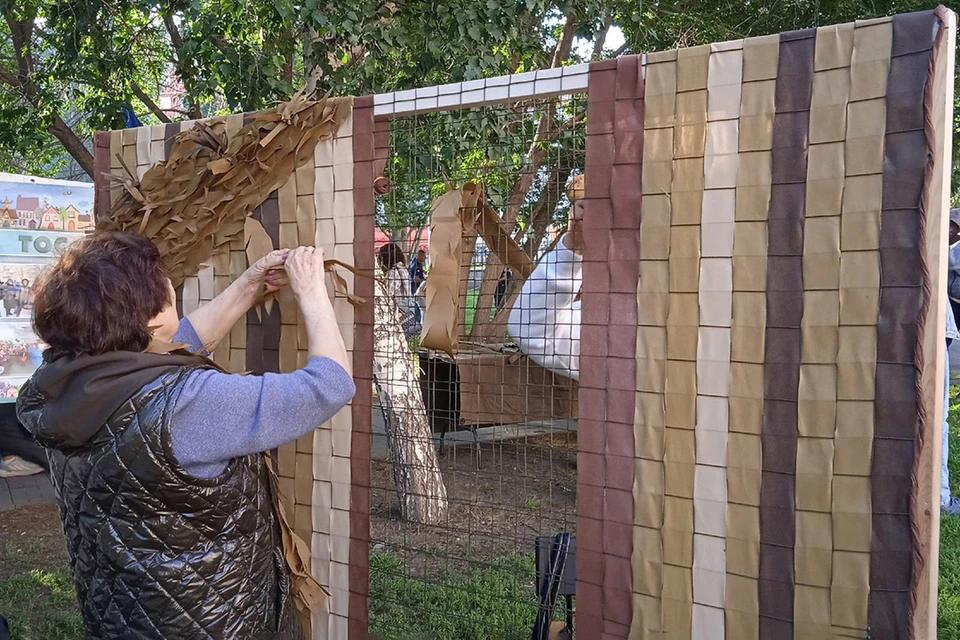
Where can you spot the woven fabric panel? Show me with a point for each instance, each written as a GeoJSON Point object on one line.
{"type": "Point", "coordinates": [777, 410]}
{"type": "Point", "coordinates": [324, 476]}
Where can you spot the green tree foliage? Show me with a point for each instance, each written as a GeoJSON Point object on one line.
{"type": "Point", "coordinates": [67, 66]}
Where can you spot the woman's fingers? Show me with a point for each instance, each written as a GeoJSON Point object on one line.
{"type": "Point", "coordinates": [304, 268]}
{"type": "Point", "coordinates": [277, 278]}
{"type": "Point", "coordinates": [274, 259]}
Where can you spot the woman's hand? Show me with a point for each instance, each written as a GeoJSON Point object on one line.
{"type": "Point", "coordinates": [266, 275]}
{"type": "Point", "coordinates": [304, 269]}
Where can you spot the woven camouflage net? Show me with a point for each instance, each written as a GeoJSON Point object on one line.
{"type": "Point", "coordinates": [195, 202]}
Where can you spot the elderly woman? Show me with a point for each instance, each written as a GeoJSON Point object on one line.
{"type": "Point", "coordinates": [155, 455]}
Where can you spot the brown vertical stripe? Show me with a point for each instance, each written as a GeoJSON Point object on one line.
{"type": "Point", "coordinates": [593, 349]}
{"type": "Point", "coordinates": [622, 259]}
{"type": "Point", "coordinates": [360, 443]}
{"type": "Point", "coordinates": [784, 295]}
{"type": "Point", "coordinates": [170, 132]}
{"type": "Point", "coordinates": [901, 299]}
{"type": "Point", "coordinates": [101, 166]}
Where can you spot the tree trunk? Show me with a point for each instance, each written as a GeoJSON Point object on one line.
{"type": "Point", "coordinates": [491, 275]}
{"type": "Point", "coordinates": [483, 324]}
{"type": "Point", "coordinates": [74, 146]}
{"type": "Point", "coordinates": [149, 103]}
{"type": "Point", "coordinates": [420, 487]}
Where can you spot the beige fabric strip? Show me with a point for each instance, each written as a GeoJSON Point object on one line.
{"type": "Point", "coordinates": [652, 301]}
{"type": "Point", "coordinates": [858, 299]}
{"type": "Point", "coordinates": [680, 391]}
{"type": "Point", "coordinates": [747, 332]}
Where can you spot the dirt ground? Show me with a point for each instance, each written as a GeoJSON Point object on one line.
{"type": "Point", "coordinates": [34, 530]}
{"type": "Point", "coordinates": [521, 490]}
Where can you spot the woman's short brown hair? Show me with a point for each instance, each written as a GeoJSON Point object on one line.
{"type": "Point", "coordinates": [100, 295]}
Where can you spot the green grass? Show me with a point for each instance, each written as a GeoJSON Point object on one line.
{"type": "Point", "coordinates": [471, 309]}
{"type": "Point", "coordinates": [38, 603]}
{"type": "Point", "coordinates": [948, 610]}
{"type": "Point", "coordinates": [496, 602]}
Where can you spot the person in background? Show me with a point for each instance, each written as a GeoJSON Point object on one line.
{"type": "Point", "coordinates": [20, 455]}
{"type": "Point", "coordinates": [23, 296]}
{"type": "Point", "coordinates": [949, 504]}
{"type": "Point", "coordinates": [500, 294]}
{"type": "Point", "coordinates": [418, 276]}
{"type": "Point", "coordinates": [156, 454]}
{"type": "Point", "coordinates": [11, 292]}
{"type": "Point", "coordinates": [417, 271]}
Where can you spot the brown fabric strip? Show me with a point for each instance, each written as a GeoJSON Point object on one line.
{"type": "Point", "coordinates": [360, 443]}
{"type": "Point", "coordinates": [101, 166]}
{"type": "Point", "coordinates": [270, 219]}
{"type": "Point", "coordinates": [781, 372]}
{"type": "Point", "coordinates": [593, 348]}
{"type": "Point", "coordinates": [621, 257]}
{"type": "Point", "coordinates": [901, 299]}
{"type": "Point", "coordinates": [170, 132]}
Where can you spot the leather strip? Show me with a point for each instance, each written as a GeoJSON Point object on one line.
{"type": "Point", "coordinates": [784, 294]}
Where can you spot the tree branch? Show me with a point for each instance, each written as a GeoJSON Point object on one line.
{"type": "Point", "coordinates": [546, 128]}
{"type": "Point", "coordinates": [21, 32]}
{"type": "Point", "coordinates": [149, 103]}
{"type": "Point", "coordinates": [72, 143]}
{"type": "Point", "coordinates": [620, 50]}
{"type": "Point", "coordinates": [176, 42]}
{"type": "Point", "coordinates": [565, 43]}
{"type": "Point", "coordinates": [602, 38]}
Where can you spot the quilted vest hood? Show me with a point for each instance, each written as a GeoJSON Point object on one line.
{"type": "Point", "coordinates": [68, 400]}
{"type": "Point", "coordinates": [156, 553]}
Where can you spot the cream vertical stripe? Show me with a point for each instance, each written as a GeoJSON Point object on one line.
{"type": "Point", "coordinates": [713, 353]}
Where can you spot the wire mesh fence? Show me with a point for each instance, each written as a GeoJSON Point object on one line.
{"type": "Point", "coordinates": [475, 449]}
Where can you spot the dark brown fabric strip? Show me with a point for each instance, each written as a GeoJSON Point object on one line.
{"type": "Point", "coordinates": [263, 330]}
{"type": "Point", "coordinates": [781, 371]}
{"type": "Point", "coordinates": [622, 259]}
{"type": "Point", "coordinates": [360, 442]}
{"type": "Point", "coordinates": [901, 299]}
{"type": "Point", "coordinates": [101, 165]}
{"type": "Point", "coordinates": [170, 132]}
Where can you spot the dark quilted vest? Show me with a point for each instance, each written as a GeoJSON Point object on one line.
{"type": "Point", "coordinates": [157, 553]}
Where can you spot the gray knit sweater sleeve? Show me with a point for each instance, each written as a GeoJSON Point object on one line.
{"type": "Point", "coordinates": [220, 416]}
